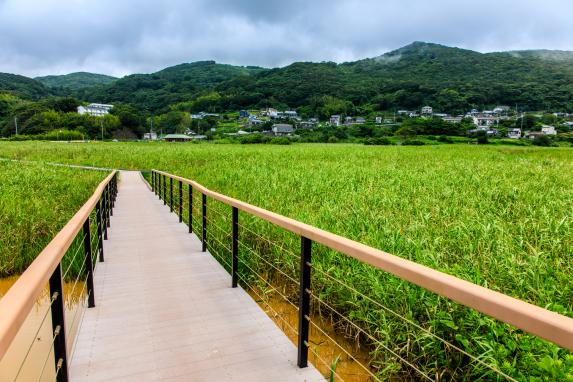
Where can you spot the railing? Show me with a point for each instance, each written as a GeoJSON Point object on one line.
{"type": "Point", "coordinates": [532, 319]}
{"type": "Point", "coordinates": [59, 262]}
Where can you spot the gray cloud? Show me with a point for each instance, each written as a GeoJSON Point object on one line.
{"type": "Point", "coordinates": [119, 37]}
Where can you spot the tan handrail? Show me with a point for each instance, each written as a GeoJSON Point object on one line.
{"type": "Point", "coordinates": [541, 322]}
{"type": "Point", "coordinates": [17, 303]}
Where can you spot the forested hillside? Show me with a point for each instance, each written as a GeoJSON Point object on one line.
{"type": "Point", "coordinates": [75, 81]}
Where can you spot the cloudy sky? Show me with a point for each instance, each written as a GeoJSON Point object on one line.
{"type": "Point", "coordinates": [118, 37]}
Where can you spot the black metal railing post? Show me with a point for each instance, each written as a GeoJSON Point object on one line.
{"type": "Point", "coordinates": [170, 194]}
{"type": "Point", "coordinates": [99, 229]}
{"type": "Point", "coordinates": [88, 263]}
{"type": "Point", "coordinates": [234, 248]}
{"type": "Point", "coordinates": [59, 325]}
{"type": "Point", "coordinates": [108, 202]}
{"type": "Point", "coordinates": [190, 212]}
{"type": "Point", "coordinates": [113, 191]}
{"type": "Point", "coordinates": [110, 195]}
{"type": "Point", "coordinates": [164, 191]}
{"type": "Point", "coordinates": [180, 201]}
{"type": "Point", "coordinates": [204, 233]}
{"type": "Point", "coordinates": [103, 201]}
{"type": "Point", "coordinates": [304, 301]}
{"type": "Point", "coordinates": [153, 181]}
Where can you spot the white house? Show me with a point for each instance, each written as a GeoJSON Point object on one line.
{"type": "Point", "coordinates": [150, 136]}
{"type": "Point", "coordinates": [484, 120]}
{"type": "Point", "coordinates": [95, 109]}
{"type": "Point", "coordinates": [514, 133]}
{"type": "Point", "coordinates": [335, 120]}
{"type": "Point", "coordinates": [378, 120]}
{"type": "Point", "coordinates": [548, 130]}
{"type": "Point", "coordinates": [452, 119]}
{"type": "Point", "coordinates": [427, 110]}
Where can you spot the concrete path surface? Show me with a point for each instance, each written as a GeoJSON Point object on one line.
{"type": "Point", "coordinates": [166, 311]}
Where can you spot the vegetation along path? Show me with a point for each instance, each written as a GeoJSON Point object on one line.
{"type": "Point", "coordinates": [166, 310]}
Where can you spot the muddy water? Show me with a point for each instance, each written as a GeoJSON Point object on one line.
{"type": "Point", "coordinates": [323, 351]}
{"type": "Point", "coordinates": [35, 337]}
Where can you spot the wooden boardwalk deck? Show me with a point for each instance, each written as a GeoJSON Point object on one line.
{"type": "Point", "coordinates": [166, 311]}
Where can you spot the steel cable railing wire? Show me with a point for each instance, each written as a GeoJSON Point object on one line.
{"type": "Point", "coordinates": [276, 314]}
{"type": "Point", "coordinates": [268, 284]}
{"type": "Point", "coordinates": [218, 256]}
{"type": "Point", "coordinates": [278, 246]}
{"type": "Point", "coordinates": [212, 236]}
{"type": "Point", "coordinates": [54, 336]}
{"type": "Point", "coordinates": [71, 293]}
{"type": "Point", "coordinates": [269, 263]}
{"type": "Point", "coordinates": [78, 308]}
{"type": "Point", "coordinates": [433, 335]}
{"type": "Point", "coordinates": [371, 337]}
{"type": "Point", "coordinates": [72, 262]}
{"type": "Point", "coordinates": [34, 338]}
{"type": "Point", "coordinates": [329, 366]}
{"type": "Point", "coordinates": [368, 371]}
{"type": "Point", "coordinates": [225, 233]}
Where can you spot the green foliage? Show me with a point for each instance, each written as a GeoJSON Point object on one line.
{"type": "Point", "coordinates": [21, 86]}
{"type": "Point", "coordinates": [542, 140]}
{"type": "Point", "coordinates": [443, 206]}
{"type": "Point", "coordinates": [75, 81]}
{"type": "Point", "coordinates": [378, 141]}
{"type": "Point", "coordinates": [36, 201]}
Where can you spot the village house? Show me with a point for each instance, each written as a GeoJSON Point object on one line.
{"type": "Point", "coordinates": [279, 129]}
{"type": "Point", "coordinates": [177, 138]}
{"type": "Point", "coordinates": [514, 133]}
{"type": "Point", "coordinates": [484, 120]}
{"type": "Point", "coordinates": [452, 119]}
{"type": "Point", "coordinates": [548, 130]}
{"type": "Point", "coordinates": [307, 124]}
{"type": "Point", "coordinates": [335, 120]}
{"type": "Point", "coordinates": [533, 134]}
{"type": "Point", "coordinates": [378, 120]}
{"type": "Point", "coordinates": [270, 112]}
{"type": "Point", "coordinates": [427, 110]}
{"type": "Point", "coordinates": [150, 136]}
{"type": "Point", "coordinates": [243, 114]}
{"type": "Point", "coordinates": [95, 109]}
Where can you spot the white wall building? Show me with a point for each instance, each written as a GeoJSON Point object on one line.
{"type": "Point", "coordinates": [95, 109]}
{"type": "Point", "coordinates": [427, 110]}
{"type": "Point", "coordinates": [514, 133]}
{"type": "Point", "coordinates": [548, 130]}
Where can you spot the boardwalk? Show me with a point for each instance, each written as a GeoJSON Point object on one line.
{"type": "Point", "coordinates": [165, 310]}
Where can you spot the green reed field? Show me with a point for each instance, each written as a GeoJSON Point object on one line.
{"type": "Point", "coordinates": [501, 217]}
{"type": "Point", "coordinates": [36, 201]}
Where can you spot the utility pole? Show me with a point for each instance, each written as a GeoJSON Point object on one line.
{"type": "Point", "coordinates": [16, 124]}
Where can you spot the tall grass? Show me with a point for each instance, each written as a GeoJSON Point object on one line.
{"type": "Point", "coordinates": [500, 217]}
{"type": "Point", "coordinates": [36, 201]}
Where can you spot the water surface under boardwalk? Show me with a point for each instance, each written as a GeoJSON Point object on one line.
{"type": "Point", "coordinates": [166, 311]}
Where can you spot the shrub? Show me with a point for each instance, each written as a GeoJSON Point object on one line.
{"type": "Point", "coordinates": [377, 141]}
{"type": "Point", "coordinates": [255, 138]}
{"type": "Point", "coordinates": [445, 139]}
{"type": "Point", "coordinates": [542, 140]}
{"type": "Point", "coordinates": [280, 141]}
{"type": "Point", "coordinates": [332, 139]}
{"type": "Point", "coordinates": [413, 142]}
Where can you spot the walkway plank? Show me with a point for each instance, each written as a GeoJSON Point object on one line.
{"type": "Point", "coordinates": [166, 311]}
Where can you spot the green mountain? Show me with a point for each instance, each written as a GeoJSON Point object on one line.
{"type": "Point", "coordinates": [171, 85]}
{"type": "Point", "coordinates": [75, 81]}
{"type": "Point", "coordinates": [450, 79]}
{"type": "Point", "coordinates": [21, 86]}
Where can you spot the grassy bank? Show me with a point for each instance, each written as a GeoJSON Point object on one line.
{"type": "Point", "coordinates": [499, 216]}
{"type": "Point", "coordinates": [36, 201]}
